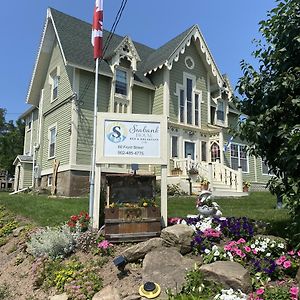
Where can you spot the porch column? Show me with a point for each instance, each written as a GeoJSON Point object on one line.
{"type": "Point", "coordinates": [210, 174]}
{"type": "Point", "coordinates": [239, 187]}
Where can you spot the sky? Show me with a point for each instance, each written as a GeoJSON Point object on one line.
{"type": "Point", "coordinates": [229, 28]}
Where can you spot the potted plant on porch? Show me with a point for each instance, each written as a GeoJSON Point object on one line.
{"type": "Point", "coordinates": [246, 186]}
{"type": "Point", "coordinates": [204, 182]}
{"type": "Point", "coordinates": [176, 171]}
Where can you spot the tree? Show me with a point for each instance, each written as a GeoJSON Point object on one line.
{"type": "Point", "coordinates": [11, 141]}
{"type": "Point", "coordinates": [271, 101]}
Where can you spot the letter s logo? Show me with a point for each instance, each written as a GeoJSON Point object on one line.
{"type": "Point", "coordinates": [116, 132]}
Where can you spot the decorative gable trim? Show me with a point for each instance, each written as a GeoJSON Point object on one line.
{"type": "Point", "coordinates": [196, 34]}
{"type": "Point", "coordinates": [126, 49]}
{"type": "Point", "coordinates": [46, 44]}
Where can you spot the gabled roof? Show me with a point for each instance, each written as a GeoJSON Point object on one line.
{"type": "Point", "coordinates": [74, 39]}
{"type": "Point", "coordinates": [23, 159]}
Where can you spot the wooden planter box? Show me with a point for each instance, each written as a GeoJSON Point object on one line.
{"type": "Point", "coordinates": [132, 224]}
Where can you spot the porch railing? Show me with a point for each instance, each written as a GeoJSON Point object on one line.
{"type": "Point", "coordinates": [215, 172]}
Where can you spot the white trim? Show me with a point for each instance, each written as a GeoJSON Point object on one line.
{"type": "Point", "coordinates": [49, 139]}
{"type": "Point", "coordinates": [57, 36]}
{"type": "Point", "coordinates": [74, 117]}
{"type": "Point", "coordinates": [166, 92]}
{"type": "Point", "coordinates": [196, 34]}
{"type": "Point", "coordinates": [83, 68]}
{"type": "Point", "coordinates": [208, 99]}
{"type": "Point", "coordinates": [48, 180]}
{"type": "Point", "coordinates": [191, 60]}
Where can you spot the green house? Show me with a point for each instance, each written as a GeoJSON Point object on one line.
{"type": "Point", "coordinates": [179, 80]}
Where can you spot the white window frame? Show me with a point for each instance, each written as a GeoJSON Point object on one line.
{"type": "Point", "coordinates": [29, 122]}
{"type": "Point", "coordinates": [49, 179]}
{"type": "Point", "coordinates": [183, 87]}
{"type": "Point", "coordinates": [195, 148]}
{"type": "Point", "coordinates": [50, 128]}
{"type": "Point", "coordinates": [239, 156]}
{"type": "Point", "coordinates": [54, 79]}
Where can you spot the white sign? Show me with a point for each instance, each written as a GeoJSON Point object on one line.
{"type": "Point", "coordinates": [131, 139]}
{"type": "Point", "coordinates": [134, 138]}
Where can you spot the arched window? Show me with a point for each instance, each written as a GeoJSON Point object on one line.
{"type": "Point", "coordinates": [215, 152]}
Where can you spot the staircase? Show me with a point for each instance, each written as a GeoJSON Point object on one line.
{"type": "Point", "coordinates": [224, 181]}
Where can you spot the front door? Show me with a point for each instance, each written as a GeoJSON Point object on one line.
{"type": "Point", "coordinates": [189, 149]}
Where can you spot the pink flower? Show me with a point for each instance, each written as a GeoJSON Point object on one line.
{"type": "Point", "coordinates": [260, 291]}
{"type": "Point", "coordinates": [298, 253]}
{"type": "Point", "coordinates": [247, 249]}
{"type": "Point", "coordinates": [282, 258]}
{"type": "Point", "coordinates": [294, 291]}
{"type": "Point", "coordinates": [254, 251]}
{"type": "Point", "coordinates": [227, 248]}
{"type": "Point", "coordinates": [287, 264]}
{"type": "Point", "coordinates": [292, 252]}
{"type": "Point", "coordinates": [104, 244]}
{"type": "Point", "coordinates": [238, 252]}
{"type": "Point", "coordinates": [278, 262]}
{"type": "Point", "coordinates": [240, 241]}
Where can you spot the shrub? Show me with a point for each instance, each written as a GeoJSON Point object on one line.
{"type": "Point", "coordinates": [87, 241]}
{"type": "Point", "coordinates": [52, 242]}
{"type": "Point", "coordinates": [175, 190]}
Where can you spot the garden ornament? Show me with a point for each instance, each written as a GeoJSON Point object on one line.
{"type": "Point", "coordinates": [206, 206]}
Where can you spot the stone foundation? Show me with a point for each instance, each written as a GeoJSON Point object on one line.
{"type": "Point", "coordinates": [69, 183]}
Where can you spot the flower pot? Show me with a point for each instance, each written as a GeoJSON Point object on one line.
{"type": "Point", "coordinates": [205, 210]}
{"type": "Point", "coordinates": [245, 189]}
{"type": "Point", "coordinates": [176, 172]}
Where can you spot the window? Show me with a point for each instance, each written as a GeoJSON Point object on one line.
{"type": "Point", "coordinates": [197, 109]}
{"type": "Point", "coordinates": [54, 81]}
{"type": "Point", "coordinates": [174, 146]}
{"type": "Point", "coordinates": [238, 157]}
{"type": "Point", "coordinates": [28, 123]}
{"type": "Point", "coordinates": [189, 149]}
{"type": "Point", "coordinates": [52, 141]}
{"type": "Point", "coordinates": [189, 101]}
{"type": "Point", "coordinates": [215, 152]}
{"type": "Point", "coordinates": [265, 168]}
{"type": "Point", "coordinates": [121, 82]}
{"type": "Point", "coordinates": [181, 106]}
{"type": "Point", "coordinates": [203, 151]}
{"type": "Point", "coordinates": [221, 111]}
{"type": "Point", "coordinates": [49, 180]}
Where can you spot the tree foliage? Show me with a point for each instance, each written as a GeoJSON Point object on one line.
{"type": "Point", "coordinates": [11, 141]}
{"type": "Point", "coordinates": [271, 100]}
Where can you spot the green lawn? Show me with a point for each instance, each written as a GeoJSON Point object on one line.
{"type": "Point", "coordinates": [41, 209]}
{"type": "Point", "coordinates": [45, 211]}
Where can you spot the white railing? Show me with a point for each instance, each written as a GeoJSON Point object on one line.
{"type": "Point", "coordinates": [215, 172]}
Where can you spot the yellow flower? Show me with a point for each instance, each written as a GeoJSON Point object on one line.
{"type": "Point", "coordinates": [145, 204]}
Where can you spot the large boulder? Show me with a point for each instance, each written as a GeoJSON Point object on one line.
{"type": "Point", "coordinates": [179, 236]}
{"type": "Point", "coordinates": [139, 250]}
{"type": "Point", "coordinates": [107, 293]}
{"type": "Point", "coordinates": [230, 274]}
{"type": "Point", "coordinates": [167, 267]}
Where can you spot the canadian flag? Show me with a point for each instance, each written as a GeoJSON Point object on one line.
{"type": "Point", "coordinates": [97, 29]}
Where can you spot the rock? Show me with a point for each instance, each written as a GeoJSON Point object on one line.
{"type": "Point", "coordinates": [63, 296]}
{"type": "Point", "coordinates": [230, 274]}
{"type": "Point", "coordinates": [16, 232]}
{"type": "Point", "coordinates": [139, 250]}
{"type": "Point", "coordinates": [166, 267]}
{"type": "Point", "coordinates": [107, 293]}
{"type": "Point", "coordinates": [179, 236]}
{"type": "Point", "coordinates": [298, 276]}
{"type": "Point", "coordinates": [133, 297]}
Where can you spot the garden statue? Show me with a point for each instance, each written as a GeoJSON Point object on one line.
{"type": "Point", "coordinates": [205, 205]}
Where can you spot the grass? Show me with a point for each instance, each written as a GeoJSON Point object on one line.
{"type": "Point", "coordinates": [42, 210]}
{"type": "Point", "coordinates": [45, 211]}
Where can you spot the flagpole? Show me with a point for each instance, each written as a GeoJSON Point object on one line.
{"type": "Point", "coordinates": [93, 166]}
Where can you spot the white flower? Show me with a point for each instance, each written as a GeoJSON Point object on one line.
{"type": "Point", "coordinates": [268, 254]}
{"type": "Point", "coordinates": [183, 222]}
{"type": "Point", "coordinates": [281, 245]}
{"type": "Point", "coordinates": [216, 253]}
{"type": "Point", "coordinates": [206, 251]}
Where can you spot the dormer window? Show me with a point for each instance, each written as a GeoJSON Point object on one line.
{"type": "Point", "coordinates": [121, 82]}
{"type": "Point", "coordinates": [221, 111]}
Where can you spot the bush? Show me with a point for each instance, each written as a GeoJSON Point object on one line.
{"type": "Point", "coordinates": [175, 190]}
{"type": "Point", "coordinates": [52, 242]}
